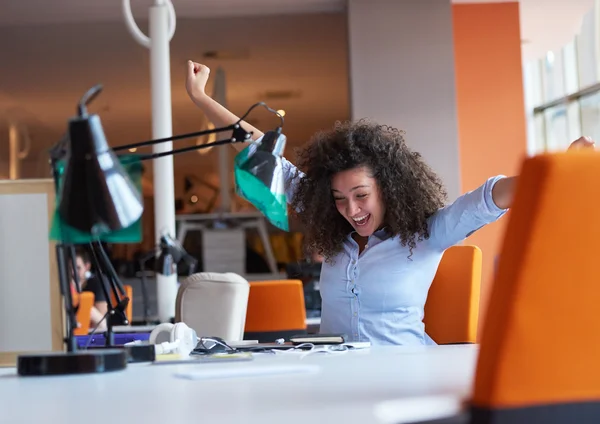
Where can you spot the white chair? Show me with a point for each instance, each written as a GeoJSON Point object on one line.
{"type": "Point", "coordinates": [214, 304]}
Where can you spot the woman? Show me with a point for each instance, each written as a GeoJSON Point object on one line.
{"type": "Point", "coordinates": [376, 212]}
{"type": "Point", "coordinates": [92, 284]}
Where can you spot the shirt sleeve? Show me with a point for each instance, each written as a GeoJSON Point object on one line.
{"type": "Point", "coordinates": [467, 214]}
{"type": "Point", "coordinates": [291, 176]}
{"type": "Point", "coordinates": [93, 285]}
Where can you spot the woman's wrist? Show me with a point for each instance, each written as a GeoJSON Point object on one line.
{"type": "Point", "coordinates": [201, 99]}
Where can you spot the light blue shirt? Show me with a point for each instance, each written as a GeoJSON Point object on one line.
{"type": "Point", "coordinates": [379, 295]}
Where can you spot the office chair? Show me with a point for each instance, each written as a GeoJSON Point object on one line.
{"type": "Point", "coordinates": [452, 307]}
{"type": "Point", "coordinates": [213, 304]}
{"type": "Point", "coordinates": [276, 309]}
{"type": "Point", "coordinates": [540, 346]}
{"type": "Point", "coordinates": [84, 313]}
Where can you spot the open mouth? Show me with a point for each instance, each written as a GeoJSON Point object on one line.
{"type": "Point", "coordinates": [361, 221]}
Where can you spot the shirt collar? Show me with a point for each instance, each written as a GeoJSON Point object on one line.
{"type": "Point", "coordinates": [382, 234]}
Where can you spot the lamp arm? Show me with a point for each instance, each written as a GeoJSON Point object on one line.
{"type": "Point", "coordinates": [148, 256]}
{"type": "Point", "coordinates": [188, 149]}
{"type": "Point", "coordinates": [180, 137]}
{"type": "Point", "coordinates": [87, 98]}
{"type": "Point", "coordinates": [65, 288]}
{"type": "Point", "coordinates": [239, 135]}
{"type": "Point", "coordinates": [144, 283]}
{"type": "Point", "coordinates": [117, 287]}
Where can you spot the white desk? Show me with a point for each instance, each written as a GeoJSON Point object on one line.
{"type": "Point", "coordinates": [346, 390]}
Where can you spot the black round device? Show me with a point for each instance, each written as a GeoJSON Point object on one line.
{"type": "Point", "coordinates": [83, 362]}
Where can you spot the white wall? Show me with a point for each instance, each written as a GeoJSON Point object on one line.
{"type": "Point", "coordinates": [402, 74]}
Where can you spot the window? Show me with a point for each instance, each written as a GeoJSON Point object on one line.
{"type": "Point", "coordinates": [587, 56]}
{"type": "Point", "coordinates": [562, 90]}
{"type": "Point", "coordinates": [557, 128]}
{"type": "Point", "coordinates": [538, 144]}
{"type": "Point", "coordinates": [554, 76]}
{"type": "Point", "coordinates": [590, 115]}
{"type": "Point", "coordinates": [532, 85]}
{"type": "Point", "coordinates": [570, 67]}
{"type": "Point", "coordinates": [573, 121]}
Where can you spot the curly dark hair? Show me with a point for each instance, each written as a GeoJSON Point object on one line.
{"type": "Point", "coordinates": [410, 190]}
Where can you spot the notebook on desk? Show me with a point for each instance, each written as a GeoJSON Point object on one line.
{"type": "Point", "coordinates": [216, 358]}
{"type": "Point", "coordinates": [319, 339]}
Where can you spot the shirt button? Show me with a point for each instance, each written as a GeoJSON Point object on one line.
{"type": "Point", "coordinates": [355, 334]}
{"type": "Point", "coordinates": [353, 261]}
{"type": "Point", "coordinates": [355, 314]}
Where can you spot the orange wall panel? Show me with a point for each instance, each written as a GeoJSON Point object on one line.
{"type": "Point", "coordinates": [490, 107]}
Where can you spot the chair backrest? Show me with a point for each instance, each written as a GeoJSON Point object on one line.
{"type": "Point", "coordinates": [540, 345]}
{"type": "Point", "coordinates": [452, 307]}
{"type": "Point", "coordinates": [84, 313]}
{"type": "Point", "coordinates": [213, 304]}
{"type": "Point", "coordinates": [276, 310]}
{"type": "Point", "coordinates": [129, 294]}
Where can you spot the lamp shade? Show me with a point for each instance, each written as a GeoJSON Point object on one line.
{"type": "Point", "coordinates": [97, 194]}
{"type": "Point", "coordinates": [259, 177]}
{"type": "Point", "coordinates": [171, 253]}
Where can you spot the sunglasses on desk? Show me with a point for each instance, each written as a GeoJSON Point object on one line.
{"type": "Point", "coordinates": [212, 345]}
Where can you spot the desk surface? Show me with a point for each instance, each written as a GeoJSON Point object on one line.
{"type": "Point", "coordinates": [346, 389]}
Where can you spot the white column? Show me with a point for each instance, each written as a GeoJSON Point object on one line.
{"type": "Point", "coordinates": [402, 74]}
{"type": "Point", "coordinates": [164, 192]}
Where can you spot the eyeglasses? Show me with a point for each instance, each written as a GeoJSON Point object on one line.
{"type": "Point", "coordinates": [211, 345]}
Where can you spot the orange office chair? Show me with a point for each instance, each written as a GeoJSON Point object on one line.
{"type": "Point", "coordinates": [129, 294]}
{"type": "Point", "coordinates": [84, 313]}
{"type": "Point", "coordinates": [275, 310]}
{"type": "Point", "coordinates": [452, 307]}
{"type": "Point", "coordinates": [538, 360]}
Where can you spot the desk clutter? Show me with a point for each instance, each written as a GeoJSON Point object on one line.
{"type": "Point", "coordinates": [182, 341]}
{"type": "Point", "coordinates": [178, 343]}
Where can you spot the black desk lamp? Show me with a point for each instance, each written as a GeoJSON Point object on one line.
{"type": "Point", "coordinates": [170, 254]}
{"type": "Point", "coordinates": [97, 197]}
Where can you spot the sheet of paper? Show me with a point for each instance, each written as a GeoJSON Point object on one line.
{"type": "Point", "coordinates": [173, 358]}
{"type": "Point", "coordinates": [207, 373]}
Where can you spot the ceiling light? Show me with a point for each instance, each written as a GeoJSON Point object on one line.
{"type": "Point", "coordinates": [132, 150]}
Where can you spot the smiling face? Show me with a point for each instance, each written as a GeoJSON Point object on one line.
{"type": "Point", "coordinates": [357, 198]}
